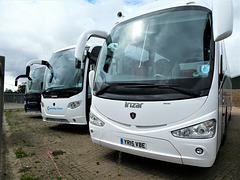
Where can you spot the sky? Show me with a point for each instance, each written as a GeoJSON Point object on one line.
{"type": "Point", "coordinates": [34, 29]}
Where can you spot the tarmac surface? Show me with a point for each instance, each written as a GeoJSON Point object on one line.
{"type": "Point", "coordinates": [56, 151]}
{"type": "Point", "coordinates": [13, 106]}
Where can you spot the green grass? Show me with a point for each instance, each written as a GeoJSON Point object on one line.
{"type": "Point", "coordinates": [119, 163]}
{"type": "Point", "coordinates": [28, 145]}
{"type": "Point", "coordinates": [20, 153]}
{"type": "Point", "coordinates": [19, 110]}
{"type": "Point", "coordinates": [8, 114]}
{"type": "Point", "coordinates": [24, 169]}
{"type": "Point", "coordinates": [29, 177]}
{"type": "Point", "coordinates": [51, 171]}
{"type": "Point", "coordinates": [12, 124]}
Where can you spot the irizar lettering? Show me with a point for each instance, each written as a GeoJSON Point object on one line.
{"type": "Point", "coordinates": [133, 105]}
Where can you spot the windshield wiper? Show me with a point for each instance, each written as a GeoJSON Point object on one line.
{"type": "Point", "coordinates": [173, 87]}
{"type": "Point", "coordinates": [105, 87]}
{"type": "Point", "coordinates": [62, 88]}
{"type": "Point", "coordinates": [179, 89]}
{"type": "Point", "coordinates": [52, 88]}
{"type": "Point", "coordinates": [71, 89]}
{"type": "Point", "coordinates": [103, 90]}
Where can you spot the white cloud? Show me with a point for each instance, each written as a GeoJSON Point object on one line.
{"type": "Point", "coordinates": [34, 29]}
{"type": "Point", "coordinates": [9, 82]}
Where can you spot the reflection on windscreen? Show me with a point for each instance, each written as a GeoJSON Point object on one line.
{"type": "Point", "coordinates": [65, 74]}
{"type": "Point", "coordinates": [166, 46]}
{"type": "Point", "coordinates": [161, 47]}
{"type": "Point", "coordinates": [34, 85]}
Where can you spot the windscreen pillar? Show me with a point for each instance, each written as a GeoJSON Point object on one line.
{"type": "Point", "coordinates": [2, 69]}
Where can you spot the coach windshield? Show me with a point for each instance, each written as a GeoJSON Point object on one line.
{"type": "Point", "coordinates": [163, 55]}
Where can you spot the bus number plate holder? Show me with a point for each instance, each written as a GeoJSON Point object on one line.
{"type": "Point", "coordinates": [133, 143]}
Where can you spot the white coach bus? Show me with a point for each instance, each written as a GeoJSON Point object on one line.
{"type": "Point", "coordinates": [66, 95]}
{"type": "Point", "coordinates": [33, 89]}
{"type": "Point", "coordinates": [161, 88]}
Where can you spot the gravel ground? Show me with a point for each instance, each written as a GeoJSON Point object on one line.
{"type": "Point", "coordinates": [56, 151]}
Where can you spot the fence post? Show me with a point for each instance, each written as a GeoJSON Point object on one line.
{"type": "Point", "coordinates": [2, 69]}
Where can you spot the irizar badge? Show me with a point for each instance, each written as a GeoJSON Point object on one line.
{"type": "Point", "coordinates": [133, 115]}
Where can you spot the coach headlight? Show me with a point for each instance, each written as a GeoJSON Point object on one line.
{"type": "Point", "coordinates": [75, 104]}
{"type": "Point", "coordinates": [95, 120]}
{"type": "Point", "coordinates": [202, 130]}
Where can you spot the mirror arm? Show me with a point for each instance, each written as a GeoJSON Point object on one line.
{"type": "Point", "coordinates": [29, 64]}
{"type": "Point", "coordinates": [20, 76]}
{"type": "Point", "coordinates": [83, 38]}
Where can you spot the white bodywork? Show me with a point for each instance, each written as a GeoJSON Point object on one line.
{"type": "Point", "coordinates": [149, 131]}
{"type": "Point", "coordinates": [156, 133]}
{"type": "Point", "coordinates": [58, 110]}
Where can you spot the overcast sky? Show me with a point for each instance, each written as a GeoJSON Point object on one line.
{"type": "Point", "coordinates": [34, 29]}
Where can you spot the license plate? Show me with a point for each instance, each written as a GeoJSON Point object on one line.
{"type": "Point", "coordinates": [134, 143]}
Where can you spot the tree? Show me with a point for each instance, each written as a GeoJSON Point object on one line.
{"type": "Point", "coordinates": [21, 88]}
{"type": "Point", "coordinates": [8, 90]}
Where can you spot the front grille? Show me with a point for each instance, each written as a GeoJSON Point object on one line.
{"type": "Point", "coordinates": [57, 120]}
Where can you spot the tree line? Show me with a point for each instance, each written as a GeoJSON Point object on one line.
{"type": "Point", "coordinates": [21, 89]}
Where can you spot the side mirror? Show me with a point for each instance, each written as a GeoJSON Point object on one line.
{"type": "Point", "coordinates": [94, 54]}
{"type": "Point", "coordinates": [27, 71]}
{"type": "Point", "coordinates": [82, 40]}
{"type": "Point", "coordinates": [91, 78]}
{"type": "Point", "coordinates": [77, 64]}
{"type": "Point", "coordinates": [222, 19]}
{"type": "Point", "coordinates": [42, 85]}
